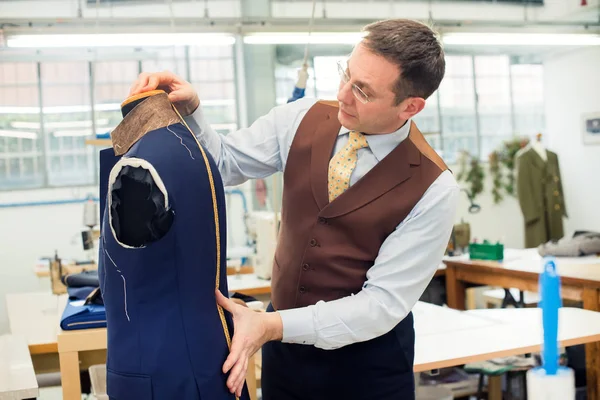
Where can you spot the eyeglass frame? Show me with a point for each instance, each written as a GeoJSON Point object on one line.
{"type": "Point", "coordinates": [356, 91]}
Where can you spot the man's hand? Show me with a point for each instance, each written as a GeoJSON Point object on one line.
{"type": "Point", "coordinates": [251, 330]}
{"type": "Point", "coordinates": [181, 93]}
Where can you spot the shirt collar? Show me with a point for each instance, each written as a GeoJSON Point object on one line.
{"type": "Point", "coordinates": [382, 145]}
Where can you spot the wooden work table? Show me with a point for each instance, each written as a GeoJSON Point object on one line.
{"type": "Point", "coordinates": [580, 279]}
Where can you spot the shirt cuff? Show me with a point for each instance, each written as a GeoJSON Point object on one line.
{"type": "Point", "coordinates": [204, 132]}
{"type": "Point", "coordinates": [298, 326]}
{"type": "Point", "coordinates": [196, 121]}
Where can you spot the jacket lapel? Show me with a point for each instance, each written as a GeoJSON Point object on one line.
{"type": "Point", "coordinates": [322, 146]}
{"type": "Point", "coordinates": [537, 160]}
{"type": "Point", "coordinates": [387, 174]}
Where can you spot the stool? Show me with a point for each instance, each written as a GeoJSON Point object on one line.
{"type": "Point", "coordinates": [511, 297]}
{"type": "Point", "coordinates": [494, 369]}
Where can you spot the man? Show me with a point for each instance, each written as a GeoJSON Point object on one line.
{"type": "Point", "coordinates": [367, 212]}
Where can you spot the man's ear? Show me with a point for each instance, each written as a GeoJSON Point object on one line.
{"type": "Point", "coordinates": [411, 107]}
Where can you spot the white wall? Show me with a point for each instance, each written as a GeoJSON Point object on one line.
{"type": "Point", "coordinates": [495, 222]}
{"type": "Point", "coordinates": [572, 87]}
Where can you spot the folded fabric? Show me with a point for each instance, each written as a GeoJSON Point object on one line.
{"type": "Point", "coordinates": [85, 293]}
{"type": "Point", "coordinates": [85, 278]}
{"type": "Point", "coordinates": [582, 243]}
{"type": "Point", "coordinates": [78, 315]}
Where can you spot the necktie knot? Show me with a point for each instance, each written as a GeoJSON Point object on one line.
{"type": "Point", "coordinates": [357, 140]}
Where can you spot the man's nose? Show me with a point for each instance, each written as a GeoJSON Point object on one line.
{"type": "Point", "coordinates": [345, 93]}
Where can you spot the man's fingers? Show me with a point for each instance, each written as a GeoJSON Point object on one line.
{"type": "Point", "coordinates": [234, 354]}
{"type": "Point", "coordinates": [224, 301]}
{"type": "Point", "coordinates": [152, 81]}
{"type": "Point", "coordinates": [237, 372]}
{"type": "Point", "coordinates": [139, 83]}
{"type": "Point", "coordinates": [242, 378]}
{"type": "Point", "coordinates": [157, 80]}
{"type": "Point", "coordinates": [177, 95]}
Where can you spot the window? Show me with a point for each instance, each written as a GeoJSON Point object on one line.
{"type": "Point", "coordinates": [327, 76]}
{"type": "Point", "coordinates": [67, 120]}
{"type": "Point", "coordinates": [212, 74]}
{"type": "Point", "coordinates": [528, 99]}
{"type": "Point", "coordinates": [286, 77]}
{"type": "Point", "coordinates": [492, 81]}
{"type": "Point", "coordinates": [171, 59]}
{"type": "Point", "coordinates": [457, 108]}
{"type": "Point", "coordinates": [44, 126]}
{"type": "Point", "coordinates": [428, 122]}
{"type": "Point", "coordinates": [21, 140]}
{"type": "Point", "coordinates": [112, 81]}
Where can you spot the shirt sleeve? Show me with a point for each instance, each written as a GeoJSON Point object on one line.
{"type": "Point", "coordinates": [254, 152]}
{"type": "Point", "coordinates": [405, 265]}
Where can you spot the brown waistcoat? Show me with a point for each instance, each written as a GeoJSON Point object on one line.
{"type": "Point", "coordinates": [325, 249]}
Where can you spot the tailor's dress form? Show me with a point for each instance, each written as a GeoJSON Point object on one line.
{"type": "Point", "coordinates": [158, 270]}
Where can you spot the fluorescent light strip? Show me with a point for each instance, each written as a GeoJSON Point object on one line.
{"type": "Point", "coordinates": [520, 39]}
{"type": "Point", "coordinates": [18, 134]}
{"type": "Point", "coordinates": [58, 125]}
{"type": "Point", "coordinates": [97, 107]}
{"type": "Point", "coordinates": [120, 39]}
{"type": "Point", "coordinates": [303, 38]}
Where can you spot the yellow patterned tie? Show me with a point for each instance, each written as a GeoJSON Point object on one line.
{"type": "Point", "coordinates": [343, 163]}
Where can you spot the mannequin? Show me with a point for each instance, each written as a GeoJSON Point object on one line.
{"type": "Point", "coordinates": [540, 193]}
{"type": "Point", "coordinates": [162, 254]}
{"type": "Point", "coordinates": [539, 147]}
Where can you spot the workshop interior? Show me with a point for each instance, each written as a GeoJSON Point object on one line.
{"type": "Point", "coordinates": [122, 211]}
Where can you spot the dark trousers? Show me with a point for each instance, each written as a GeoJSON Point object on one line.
{"type": "Point", "coordinates": [379, 369]}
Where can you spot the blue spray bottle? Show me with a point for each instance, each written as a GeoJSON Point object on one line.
{"type": "Point", "coordinates": [550, 381]}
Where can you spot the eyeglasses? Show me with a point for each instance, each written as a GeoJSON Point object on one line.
{"type": "Point", "coordinates": [358, 93]}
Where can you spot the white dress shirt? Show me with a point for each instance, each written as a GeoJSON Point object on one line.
{"type": "Point", "coordinates": [407, 259]}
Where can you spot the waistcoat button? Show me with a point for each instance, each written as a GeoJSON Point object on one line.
{"type": "Point", "coordinates": [322, 220]}
{"type": "Point", "coordinates": [304, 267]}
{"type": "Point", "coordinates": [302, 289]}
{"type": "Point", "coordinates": [313, 242]}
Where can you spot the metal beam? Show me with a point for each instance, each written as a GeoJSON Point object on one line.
{"type": "Point", "coordinates": [249, 24]}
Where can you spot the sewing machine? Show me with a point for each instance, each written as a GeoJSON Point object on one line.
{"type": "Point", "coordinates": [263, 232]}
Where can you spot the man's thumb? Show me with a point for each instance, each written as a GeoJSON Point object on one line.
{"type": "Point", "coordinates": [224, 301]}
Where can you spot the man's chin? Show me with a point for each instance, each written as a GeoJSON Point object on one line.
{"type": "Point", "coordinates": [346, 120]}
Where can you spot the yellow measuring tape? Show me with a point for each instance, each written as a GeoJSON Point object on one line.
{"type": "Point", "coordinates": [217, 230]}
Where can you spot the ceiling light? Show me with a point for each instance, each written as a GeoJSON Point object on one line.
{"type": "Point", "coordinates": [303, 38]}
{"type": "Point", "coordinates": [18, 134]}
{"type": "Point", "coordinates": [58, 125]}
{"type": "Point", "coordinates": [119, 39]}
{"type": "Point", "coordinates": [521, 39]}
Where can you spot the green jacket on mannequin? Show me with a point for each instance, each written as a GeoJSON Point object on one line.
{"type": "Point", "coordinates": [540, 194]}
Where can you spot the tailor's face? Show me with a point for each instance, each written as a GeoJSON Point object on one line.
{"type": "Point", "coordinates": [366, 96]}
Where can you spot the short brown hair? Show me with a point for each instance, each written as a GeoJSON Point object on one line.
{"type": "Point", "coordinates": [415, 48]}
